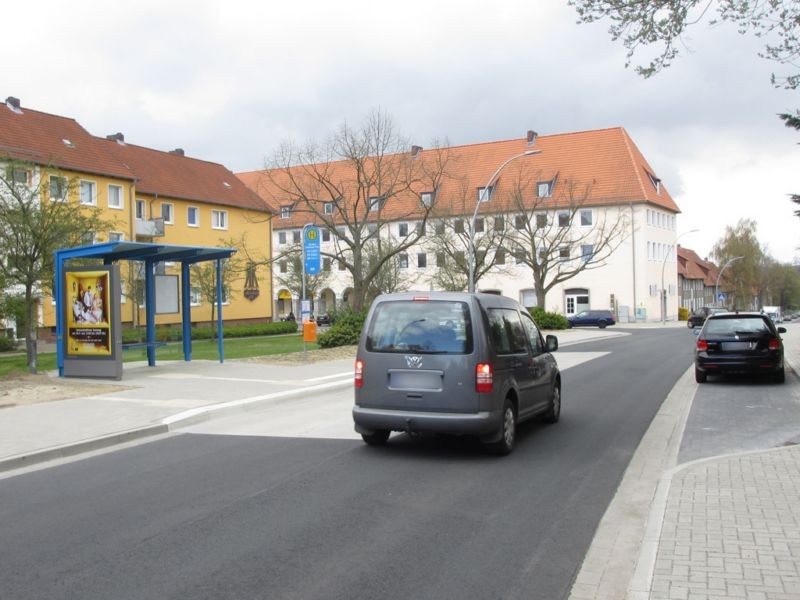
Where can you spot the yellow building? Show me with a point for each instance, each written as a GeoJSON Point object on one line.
{"type": "Point", "coordinates": [150, 196]}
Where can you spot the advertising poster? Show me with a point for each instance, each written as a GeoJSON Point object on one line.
{"type": "Point", "coordinates": [88, 313]}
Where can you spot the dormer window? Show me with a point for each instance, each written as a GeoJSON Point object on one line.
{"type": "Point", "coordinates": [328, 208]}
{"type": "Point", "coordinates": [68, 143]}
{"type": "Point", "coordinates": [655, 181]}
{"type": "Point", "coordinates": [226, 185]}
{"type": "Point", "coordinates": [485, 193]}
{"type": "Point", "coordinates": [544, 189]}
{"type": "Point", "coordinates": [375, 203]}
{"type": "Point", "coordinates": [426, 199]}
{"type": "Point", "coordinates": [286, 212]}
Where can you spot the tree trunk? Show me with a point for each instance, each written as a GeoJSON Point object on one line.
{"type": "Point", "coordinates": [30, 330]}
{"type": "Point", "coordinates": [540, 293]}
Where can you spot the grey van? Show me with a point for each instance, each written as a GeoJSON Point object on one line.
{"type": "Point", "coordinates": [452, 362]}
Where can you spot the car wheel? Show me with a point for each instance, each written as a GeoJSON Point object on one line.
{"type": "Point", "coordinates": [569, 325]}
{"type": "Point", "coordinates": [602, 324]}
{"type": "Point", "coordinates": [378, 438]}
{"type": "Point", "coordinates": [554, 412]}
{"type": "Point", "coordinates": [699, 376]}
{"type": "Point", "coordinates": [779, 376]}
{"type": "Point", "coordinates": [508, 432]}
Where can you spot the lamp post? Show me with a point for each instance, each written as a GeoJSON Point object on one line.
{"type": "Point", "coordinates": [716, 286]}
{"type": "Point", "coordinates": [486, 193]}
{"type": "Point", "coordinates": [663, 265]}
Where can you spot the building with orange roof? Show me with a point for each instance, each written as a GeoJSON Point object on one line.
{"type": "Point", "coordinates": [603, 169]}
{"type": "Point", "coordinates": [150, 196]}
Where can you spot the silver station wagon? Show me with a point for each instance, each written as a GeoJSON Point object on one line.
{"type": "Point", "coordinates": [451, 362]}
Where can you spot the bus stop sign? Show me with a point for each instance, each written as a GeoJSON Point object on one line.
{"type": "Point", "coordinates": [311, 250]}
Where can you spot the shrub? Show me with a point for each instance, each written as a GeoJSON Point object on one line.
{"type": "Point", "coordinates": [175, 334]}
{"type": "Point", "coordinates": [345, 330]}
{"type": "Point", "coordinates": [548, 320]}
{"type": "Point", "coordinates": [683, 313]}
{"type": "Point", "coordinates": [7, 344]}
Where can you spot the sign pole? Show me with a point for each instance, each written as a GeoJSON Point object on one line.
{"type": "Point", "coordinates": [303, 295]}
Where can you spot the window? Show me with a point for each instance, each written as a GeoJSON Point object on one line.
{"type": "Point", "coordinates": [426, 199]}
{"type": "Point", "coordinates": [115, 236]}
{"type": "Point", "coordinates": [327, 208]}
{"type": "Point", "coordinates": [519, 255]}
{"type": "Point", "coordinates": [499, 223]}
{"type": "Point", "coordinates": [563, 253]}
{"type": "Point", "coordinates": [375, 203]}
{"type": "Point", "coordinates": [655, 181]}
{"type": "Point", "coordinates": [193, 216]}
{"type": "Point", "coordinates": [500, 257]}
{"type": "Point", "coordinates": [342, 266]}
{"type": "Point", "coordinates": [438, 228]}
{"type": "Point", "coordinates": [326, 235]}
{"type": "Point", "coordinates": [541, 221]}
{"type": "Point", "coordinates": [587, 250]}
{"type": "Point", "coordinates": [141, 210]}
{"type": "Point", "coordinates": [296, 237]}
{"type": "Point", "coordinates": [421, 228]}
{"type": "Point", "coordinates": [440, 261]}
{"type": "Point", "coordinates": [341, 232]}
{"type": "Point", "coordinates": [403, 258]}
{"type": "Point", "coordinates": [219, 219]}
{"type": "Point", "coordinates": [460, 258]}
{"type": "Point", "coordinates": [403, 229]}
{"type": "Point", "coordinates": [586, 218]}
{"type": "Point", "coordinates": [88, 192]}
{"type": "Point", "coordinates": [458, 225]}
{"type": "Point", "coordinates": [58, 188]}
{"type": "Point", "coordinates": [506, 331]}
{"type": "Point", "coordinates": [326, 264]}
{"type": "Point", "coordinates": [195, 299]}
{"type": "Point", "coordinates": [479, 225]}
{"type": "Point", "coordinates": [286, 212]}
{"type": "Point", "coordinates": [563, 219]}
{"type": "Point", "coordinates": [422, 260]}
{"type": "Point", "coordinates": [372, 228]}
{"type": "Point", "coordinates": [19, 176]}
{"type": "Point", "coordinates": [168, 213]}
{"type": "Point", "coordinates": [284, 266]}
{"type": "Point", "coordinates": [519, 222]}
{"type": "Point", "coordinates": [114, 196]}
{"type": "Point", "coordinates": [544, 189]}
{"type": "Point", "coordinates": [87, 239]}
{"type": "Point", "coordinates": [281, 237]}
{"type": "Point", "coordinates": [485, 194]}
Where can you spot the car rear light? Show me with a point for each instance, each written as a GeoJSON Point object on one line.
{"type": "Point", "coordinates": [774, 344]}
{"type": "Point", "coordinates": [484, 379]}
{"type": "Point", "coordinates": [359, 373]}
{"type": "Point", "coordinates": [420, 298]}
{"type": "Point", "coordinates": [702, 345]}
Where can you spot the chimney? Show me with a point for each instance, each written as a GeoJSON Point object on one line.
{"type": "Point", "coordinates": [13, 104]}
{"type": "Point", "coordinates": [532, 135]}
{"type": "Point", "coordinates": [177, 152]}
{"type": "Point", "coordinates": [116, 137]}
{"type": "Point", "coordinates": [415, 150]}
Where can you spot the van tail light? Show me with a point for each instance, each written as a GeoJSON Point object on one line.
{"type": "Point", "coordinates": [774, 344]}
{"type": "Point", "coordinates": [359, 373]}
{"type": "Point", "coordinates": [484, 379]}
{"type": "Point", "coordinates": [702, 345]}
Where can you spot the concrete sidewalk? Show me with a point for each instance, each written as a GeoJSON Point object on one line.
{"type": "Point", "coordinates": [719, 528]}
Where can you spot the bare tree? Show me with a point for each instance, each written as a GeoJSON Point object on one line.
{"type": "Point", "coordinates": [559, 236]}
{"type": "Point", "coordinates": [292, 279]}
{"type": "Point", "coordinates": [204, 279]}
{"type": "Point", "coordinates": [356, 184]}
{"type": "Point", "coordinates": [37, 217]}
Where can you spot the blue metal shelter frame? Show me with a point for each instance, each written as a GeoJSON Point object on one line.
{"type": "Point", "coordinates": [150, 254]}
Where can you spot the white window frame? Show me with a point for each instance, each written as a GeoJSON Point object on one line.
{"type": "Point", "coordinates": [143, 204]}
{"type": "Point", "coordinates": [92, 190]}
{"type": "Point", "coordinates": [121, 198]}
{"type": "Point", "coordinates": [584, 212]}
{"type": "Point", "coordinates": [483, 195]}
{"type": "Point", "coordinates": [171, 211]}
{"type": "Point", "coordinates": [15, 172]}
{"type": "Point", "coordinates": [375, 203]}
{"type": "Point", "coordinates": [400, 228]}
{"type": "Point", "coordinates": [196, 210]}
{"type": "Point", "coordinates": [327, 208]}
{"type": "Point", "coordinates": [563, 214]}
{"type": "Point", "coordinates": [62, 185]}
{"type": "Point", "coordinates": [195, 297]}
{"type": "Point", "coordinates": [544, 189]}
{"type": "Point", "coordinates": [426, 199]}
{"type": "Point", "coordinates": [561, 257]}
{"type": "Point", "coordinates": [403, 260]}
{"type": "Point", "coordinates": [120, 238]}
{"type": "Point", "coordinates": [286, 212]}
{"type": "Point", "coordinates": [587, 256]}
{"type": "Point", "coordinates": [281, 238]}
{"type": "Point", "coordinates": [219, 219]}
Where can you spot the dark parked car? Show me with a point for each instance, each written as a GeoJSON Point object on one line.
{"type": "Point", "coordinates": [592, 318]}
{"type": "Point", "coordinates": [739, 343]}
{"type": "Point", "coordinates": [699, 316]}
{"type": "Point", "coordinates": [324, 319]}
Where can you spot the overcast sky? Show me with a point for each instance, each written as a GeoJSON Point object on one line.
{"type": "Point", "coordinates": [229, 80]}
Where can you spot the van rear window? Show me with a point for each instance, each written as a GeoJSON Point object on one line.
{"type": "Point", "coordinates": [431, 327]}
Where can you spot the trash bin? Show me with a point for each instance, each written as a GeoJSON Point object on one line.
{"type": "Point", "coordinates": [309, 331]}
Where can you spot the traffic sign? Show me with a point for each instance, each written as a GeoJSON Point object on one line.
{"type": "Point", "coordinates": [311, 250]}
{"type": "Point", "coordinates": [721, 297]}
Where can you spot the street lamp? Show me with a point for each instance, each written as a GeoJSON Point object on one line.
{"type": "Point", "coordinates": [663, 265]}
{"type": "Point", "coordinates": [716, 286]}
{"type": "Point", "coordinates": [485, 193]}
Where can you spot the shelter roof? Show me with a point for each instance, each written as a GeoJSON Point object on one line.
{"type": "Point", "coordinates": [114, 251]}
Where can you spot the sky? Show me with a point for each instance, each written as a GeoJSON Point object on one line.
{"type": "Point", "coordinates": [230, 80]}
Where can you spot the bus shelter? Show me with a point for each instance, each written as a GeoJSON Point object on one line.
{"type": "Point", "coordinates": [91, 345]}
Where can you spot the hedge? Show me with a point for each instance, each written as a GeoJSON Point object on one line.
{"type": "Point", "coordinates": [175, 334]}
{"type": "Point", "coordinates": [548, 320]}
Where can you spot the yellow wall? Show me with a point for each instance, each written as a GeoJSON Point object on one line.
{"type": "Point", "coordinates": [251, 227]}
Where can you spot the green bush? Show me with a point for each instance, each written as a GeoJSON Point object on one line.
{"type": "Point", "coordinates": [548, 320]}
{"type": "Point", "coordinates": [175, 334]}
{"type": "Point", "coordinates": [7, 344]}
{"type": "Point", "coordinates": [345, 330]}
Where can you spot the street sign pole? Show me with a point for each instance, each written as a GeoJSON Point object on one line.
{"type": "Point", "coordinates": [310, 266]}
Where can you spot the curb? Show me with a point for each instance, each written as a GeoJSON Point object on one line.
{"type": "Point", "coordinates": [167, 424]}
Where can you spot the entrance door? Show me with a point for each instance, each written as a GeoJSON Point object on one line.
{"type": "Point", "coordinates": [575, 300]}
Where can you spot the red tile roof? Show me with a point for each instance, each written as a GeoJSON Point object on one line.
{"type": "Point", "coordinates": [691, 266]}
{"type": "Point", "coordinates": [606, 160]}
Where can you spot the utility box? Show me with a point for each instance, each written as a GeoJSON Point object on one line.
{"type": "Point", "coordinates": [309, 331]}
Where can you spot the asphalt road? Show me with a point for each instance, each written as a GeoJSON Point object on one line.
{"type": "Point", "coordinates": [206, 516]}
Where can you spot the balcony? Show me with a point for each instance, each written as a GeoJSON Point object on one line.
{"type": "Point", "coordinates": [150, 229]}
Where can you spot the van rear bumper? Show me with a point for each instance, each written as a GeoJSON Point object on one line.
{"type": "Point", "coordinates": [367, 420]}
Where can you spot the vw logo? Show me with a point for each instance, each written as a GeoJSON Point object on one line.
{"type": "Point", "coordinates": [413, 361]}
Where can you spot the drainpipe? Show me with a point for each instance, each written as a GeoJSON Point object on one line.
{"type": "Point", "coordinates": [633, 254]}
